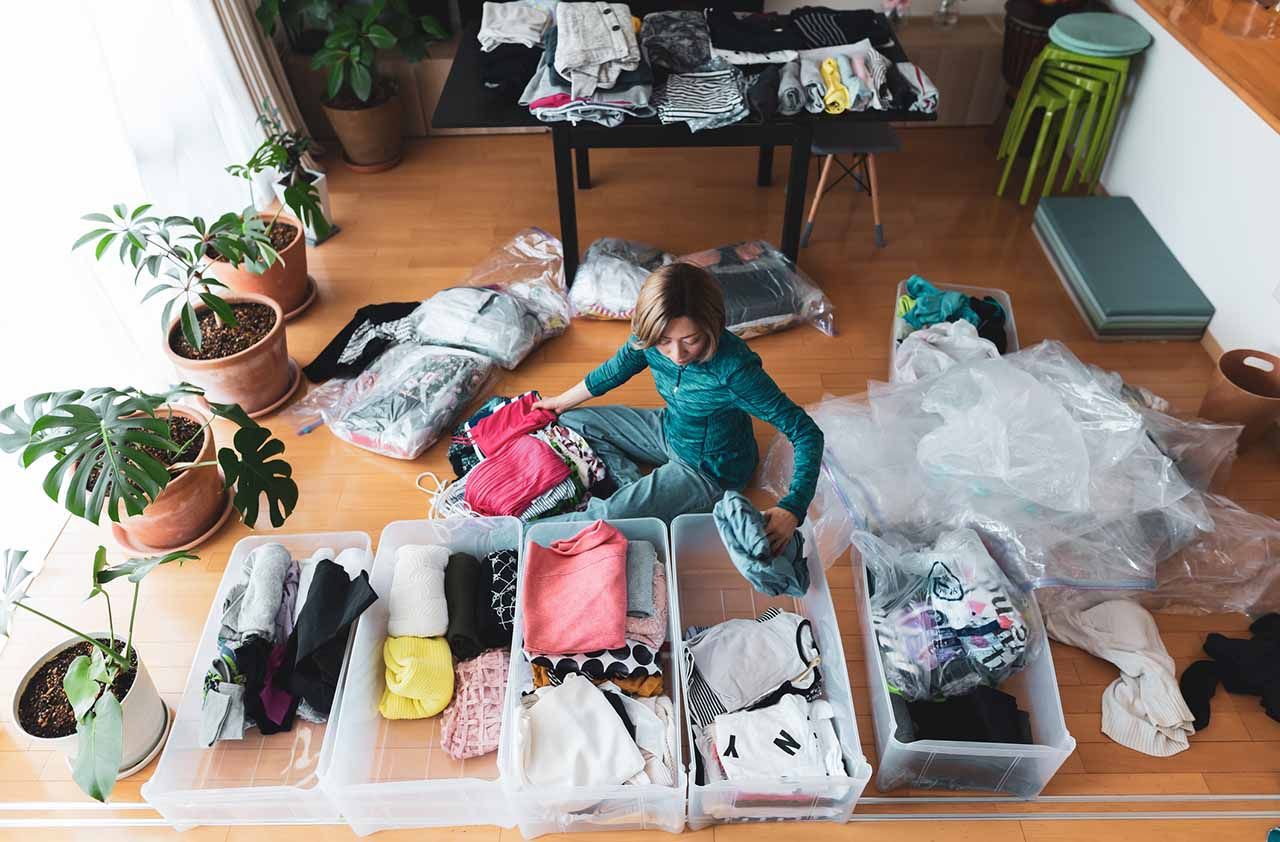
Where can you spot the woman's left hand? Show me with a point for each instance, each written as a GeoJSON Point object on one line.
{"type": "Point", "coordinates": [779, 526]}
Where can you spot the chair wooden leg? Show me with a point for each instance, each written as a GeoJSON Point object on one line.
{"type": "Point", "coordinates": [817, 200]}
{"type": "Point", "coordinates": [875, 199]}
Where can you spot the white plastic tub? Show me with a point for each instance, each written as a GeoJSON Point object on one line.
{"type": "Point", "coordinates": [542, 810]}
{"type": "Point", "coordinates": [1010, 326]}
{"type": "Point", "coordinates": [712, 590]}
{"type": "Point", "coordinates": [1021, 770]}
{"type": "Point", "coordinates": [393, 774]}
{"type": "Point", "coordinates": [260, 779]}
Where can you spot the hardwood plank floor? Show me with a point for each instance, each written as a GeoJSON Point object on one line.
{"type": "Point", "coordinates": [420, 227]}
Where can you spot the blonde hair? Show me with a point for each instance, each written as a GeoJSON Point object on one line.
{"type": "Point", "coordinates": [679, 290]}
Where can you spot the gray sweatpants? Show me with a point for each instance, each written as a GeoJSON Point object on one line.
{"type": "Point", "coordinates": [626, 438]}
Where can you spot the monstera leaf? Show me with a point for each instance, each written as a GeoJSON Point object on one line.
{"type": "Point", "coordinates": [250, 468]}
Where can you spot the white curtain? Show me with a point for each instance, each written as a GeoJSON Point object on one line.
{"type": "Point", "coordinates": [140, 102]}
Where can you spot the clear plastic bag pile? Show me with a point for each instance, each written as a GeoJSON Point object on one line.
{"type": "Point", "coordinates": [946, 618]}
{"type": "Point", "coordinates": [764, 292]}
{"type": "Point", "coordinates": [610, 276]}
{"type": "Point", "coordinates": [512, 301]}
{"type": "Point", "coordinates": [1055, 468]}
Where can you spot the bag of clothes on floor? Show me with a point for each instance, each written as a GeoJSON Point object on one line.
{"type": "Point", "coordinates": [610, 275]}
{"type": "Point", "coordinates": [594, 611]}
{"type": "Point", "coordinates": [282, 641]}
{"type": "Point", "coordinates": [514, 460]}
{"type": "Point", "coordinates": [448, 642]}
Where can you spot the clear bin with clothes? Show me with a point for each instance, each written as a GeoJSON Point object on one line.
{"type": "Point", "coordinates": [901, 328]}
{"type": "Point", "coordinates": [712, 590]}
{"type": "Point", "coordinates": [542, 809]}
{"type": "Point", "coordinates": [1019, 769]}
{"type": "Point", "coordinates": [259, 779]}
{"type": "Point", "coordinates": [395, 773]}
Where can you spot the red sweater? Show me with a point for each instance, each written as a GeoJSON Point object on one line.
{"type": "Point", "coordinates": [574, 593]}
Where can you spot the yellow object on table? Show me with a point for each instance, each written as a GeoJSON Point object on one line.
{"type": "Point", "coordinates": [836, 99]}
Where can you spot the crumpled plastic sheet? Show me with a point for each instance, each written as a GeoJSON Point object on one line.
{"type": "Point", "coordinates": [532, 304]}
{"type": "Point", "coordinates": [1056, 472]}
{"type": "Point", "coordinates": [402, 403]}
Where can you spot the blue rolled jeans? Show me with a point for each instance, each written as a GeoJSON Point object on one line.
{"type": "Point", "coordinates": [627, 438]}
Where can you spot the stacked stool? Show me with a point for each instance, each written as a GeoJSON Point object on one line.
{"type": "Point", "coordinates": [1077, 83]}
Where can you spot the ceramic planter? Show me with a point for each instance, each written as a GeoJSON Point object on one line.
{"type": "Point", "coordinates": [286, 281]}
{"type": "Point", "coordinates": [189, 509]}
{"type": "Point", "coordinates": [260, 378]}
{"type": "Point", "coordinates": [146, 719]}
{"type": "Point", "coordinates": [371, 137]}
{"type": "Point", "coordinates": [321, 182]}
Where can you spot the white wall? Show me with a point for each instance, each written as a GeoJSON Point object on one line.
{"type": "Point", "coordinates": [1205, 169]}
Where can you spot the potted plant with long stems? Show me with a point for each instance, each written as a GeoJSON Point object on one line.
{"type": "Point", "coordinates": [90, 696]}
{"type": "Point", "coordinates": [303, 190]}
{"type": "Point", "coordinates": [233, 347]}
{"type": "Point", "coordinates": [362, 104]}
{"type": "Point", "coordinates": [149, 463]}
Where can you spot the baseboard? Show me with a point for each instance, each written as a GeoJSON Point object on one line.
{"type": "Point", "coordinates": [1211, 345]}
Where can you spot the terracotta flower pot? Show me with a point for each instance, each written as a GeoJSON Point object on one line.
{"type": "Point", "coordinates": [285, 281]}
{"type": "Point", "coordinates": [1245, 390]}
{"type": "Point", "coordinates": [259, 378]}
{"type": "Point", "coordinates": [372, 138]}
{"type": "Point", "coordinates": [146, 720]}
{"type": "Point", "coordinates": [190, 506]}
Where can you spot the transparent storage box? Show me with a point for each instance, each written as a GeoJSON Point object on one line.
{"type": "Point", "coordinates": [1010, 326]}
{"type": "Point", "coordinates": [1014, 768]}
{"type": "Point", "coordinates": [541, 809]}
{"type": "Point", "coordinates": [260, 779]}
{"type": "Point", "coordinates": [712, 590]}
{"type": "Point", "coordinates": [393, 773]}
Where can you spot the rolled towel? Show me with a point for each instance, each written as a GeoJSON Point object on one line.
{"type": "Point", "coordinates": [417, 603]}
{"type": "Point", "coordinates": [791, 95]}
{"type": "Point", "coordinates": [419, 677]}
{"type": "Point", "coordinates": [836, 100]}
{"type": "Point", "coordinates": [461, 580]}
{"type": "Point", "coordinates": [250, 610]}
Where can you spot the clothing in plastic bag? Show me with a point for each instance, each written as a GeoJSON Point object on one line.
{"type": "Point", "coordinates": [530, 266]}
{"type": "Point", "coordinates": [946, 617]}
{"type": "Point", "coordinates": [610, 276]}
{"type": "Point", "coordinates": [764, 292]}
{"type": "Point", "coordinates": [936, 348]}
{"type": "Point", "coordinates": [403, 403]}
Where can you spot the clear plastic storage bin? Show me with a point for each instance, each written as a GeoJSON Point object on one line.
{"type": "Point", "coordinates": [393, 774]}
{"type": "Point", "coordinates": [1021, 770]}
{"type": "Point", "coordinates": [260, 779]}
{"type": "Point", "coordinates": [1010, 326]}
{"type": "Point", "coordinates": [542, 810]}
{"type": "Point", "coordinates": [712, 590]}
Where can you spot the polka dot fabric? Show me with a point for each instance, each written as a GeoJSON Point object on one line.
{"type": "Point", "coordinates": [470, 725]}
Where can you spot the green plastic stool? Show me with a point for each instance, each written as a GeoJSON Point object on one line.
{"type": "Point", "coordinates": [1087, 134]}
{"type": "Point", "coordinates": [1053, 104]}
{"type": "Point", "coordinates": [1074, 96]}
{"type": "Point", "coordinates": [1110, 81]}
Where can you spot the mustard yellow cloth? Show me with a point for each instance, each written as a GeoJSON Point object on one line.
{"type": "Point", "coordinates": [419, 677]}
{"type": "Point", "coordinates": [837, 98]}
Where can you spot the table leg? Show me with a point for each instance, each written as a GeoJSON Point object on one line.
{"type": "Point", "coordinates": [764, 167]}
{"type": "Point", "coordinates": [583, 160]}
{"type": "Point", "coordinates": [797, 182]}
{"type": "Point", "coordinates": [564, 196]}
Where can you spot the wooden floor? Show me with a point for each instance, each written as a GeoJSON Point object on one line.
{"type": "Point", "coordinates": [418, 228]}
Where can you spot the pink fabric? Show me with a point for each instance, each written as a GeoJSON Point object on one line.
{"type": "Point", "coordinates": [574, 593]}
{"type": "Point", "coordinates": [471, 724]}
{"type": "Point", "coordinates": [493, 432]}
{"type": "Point", "coordinates": [508, 483]}
{"type": "Point", "coordinates": [553, 101]}
{"type": "Point", "coordinates": [652, 631]}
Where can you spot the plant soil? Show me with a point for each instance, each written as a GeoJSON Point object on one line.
{"type": "Point", "coordinates": [346, 100]}
{"type": "Point", "coordinates": [282, 234]}
{"type": "Point", "coordinates": [43, 710]}
{"type": "Point", "coordinates": [255, 322]}
{"type": "Point", "coordinates": [181, 429]}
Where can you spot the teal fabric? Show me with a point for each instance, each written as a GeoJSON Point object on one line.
{"type": "Point", "coordinates": [626, 438]}
{"type": "Point", "coordinates": [934, 306]}
{"type": "Point", "coordinates": [707, 423]}
{"type": "Point", "coordinates": [741, 528]}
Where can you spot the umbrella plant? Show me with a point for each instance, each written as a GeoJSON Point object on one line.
{"type": "Point", "coordinates": [282, 151]}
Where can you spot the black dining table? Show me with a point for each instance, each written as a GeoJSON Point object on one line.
{"type": "Point", "coordinates": [466, 104]}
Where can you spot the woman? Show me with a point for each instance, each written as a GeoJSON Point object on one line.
{"type": "Point", "coordinates": [702, 443]}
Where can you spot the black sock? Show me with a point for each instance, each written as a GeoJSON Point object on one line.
{"type": "Point", "coordinates": [1267, 626]}
{"type": "Point", "coordinates": [1198, 684]}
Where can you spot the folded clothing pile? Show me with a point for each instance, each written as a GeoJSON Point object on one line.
{"type": "Point", "coordinates": [551, 95]}
{"type": "Point", "coordinates": [282, 641]}
{"type": "Point", "coordinates": [857, 77]}
{"type": "Point", "coordinates": [924, 305]}
{"type": "Point", "coordinates": [609, 278]}
{"type": "Point", "coordinates": [449, 625]}
{"type": "Point", "coordinates": [595, 614]}
{"type": "Point", "coordinates": [517, 461]}
{"type": "Point", "coordinates": [511, 44]}
{"type": "Point", "coordinates": [754, 698]}
{"type": "Point", "coordinates": [712, 96]}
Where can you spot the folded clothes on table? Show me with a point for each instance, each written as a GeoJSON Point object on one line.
{"type": "Point", "coordinates": [596, 43]}
{"type": "Point", "coordinates": [707, 98]}
{"type": "Point", "coordinates": [753, 33]}
{"type": "Point", "coordinates": [508, 68]}
{"type": "Point", "coordinates": [678, 41]}
{"type": "Point", "coordinates": [549, 95]}
{"type": "Point", "coordinates": [518, 22]}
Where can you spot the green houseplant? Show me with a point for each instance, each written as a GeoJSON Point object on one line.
{"type": "Point", "coordinates": [109, 717]}
{"type": "Point", "coordinates": [304, 191]}
{"type": "Point", "coordinates": [231, 346]}
{"type": "Point", "coordinates": [362, 105]}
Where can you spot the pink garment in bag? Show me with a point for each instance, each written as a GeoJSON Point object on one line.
{"type": "Point", "coordinates": [574, 593]}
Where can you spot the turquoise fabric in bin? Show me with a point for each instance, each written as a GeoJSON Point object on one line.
{"type": "Point", "coordinates": [1100, 33]}
{"type": "Point", "coordinates": [934, 306]}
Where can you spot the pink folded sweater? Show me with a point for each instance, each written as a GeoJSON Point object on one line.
{"type": "Point", "coordinates": [574, 593]}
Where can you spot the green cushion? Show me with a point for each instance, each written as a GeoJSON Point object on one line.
{"type": "Point", "coordinates": [1121, 270]}
{"type": "Point", "coordinates": [1100, 32]}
